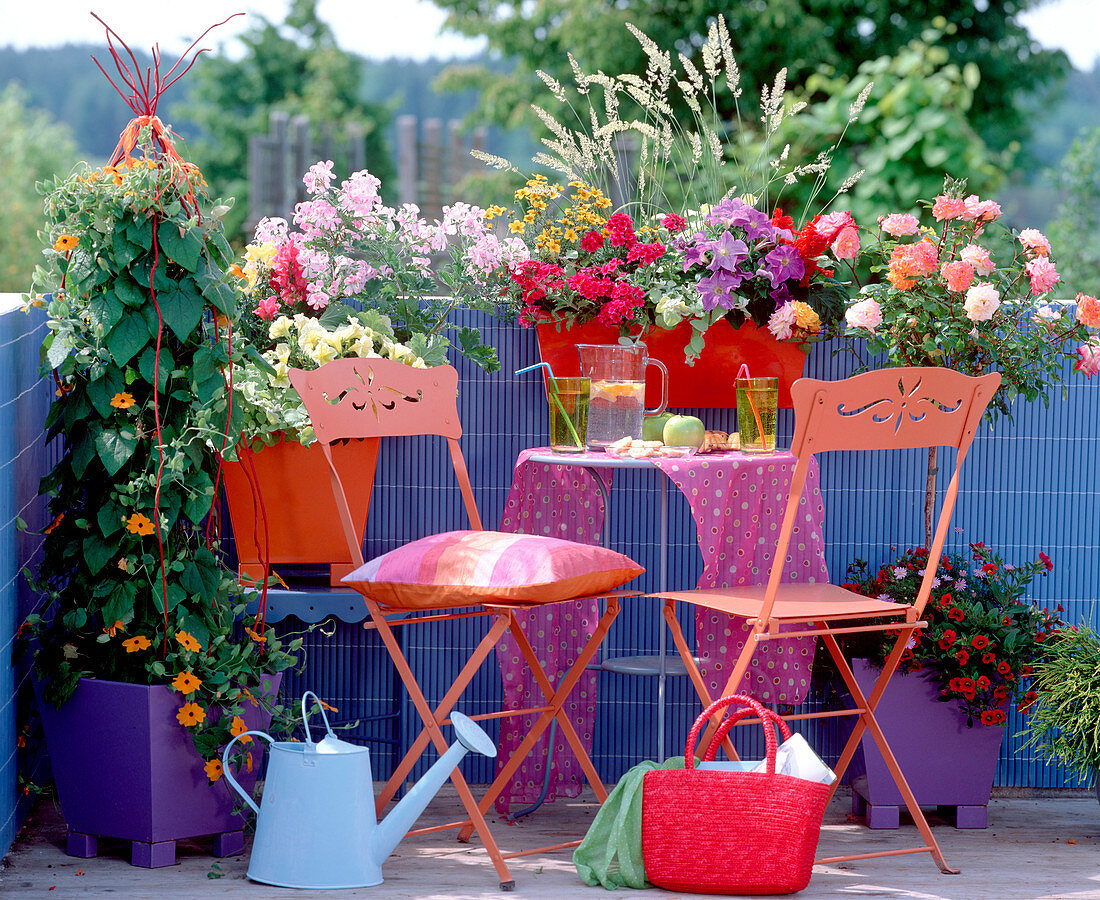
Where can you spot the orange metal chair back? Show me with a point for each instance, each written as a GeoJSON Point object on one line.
{"type": "Point", "coordinates": [374, 398]}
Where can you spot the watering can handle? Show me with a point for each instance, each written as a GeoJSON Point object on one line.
{"type": "Point", "coordinates": [305, 719]}
{"type": "Point", "coordinates": [229, 775]}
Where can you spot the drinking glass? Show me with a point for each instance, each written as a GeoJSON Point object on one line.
{"type": "Point", "coordinates": [568, 398]}
{"type": "Point", "coordinates": [757, 408]}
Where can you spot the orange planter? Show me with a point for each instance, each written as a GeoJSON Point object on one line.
{"type": "Point", "coordinates": [303, 526]}
{"type": "Point", "coordinates": [709, 383]}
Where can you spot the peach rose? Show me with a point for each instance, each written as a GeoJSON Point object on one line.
{"type": "Point", "coordinates": [1041, 273]}
{"type": "Point", "coordinates": [1088, 360]}
{"type": "Point", "coordinates": [1088, 311]}
{"type": "Point", "coordinates": [958, 274]}
{"type": "Point", "coordinates": [899, 224]}
{"type": "Point", "coordinates": [846, 243]}
{"type": "Point", "coordinates": [982, 300]}
{"type": "Point", "coordinates": [864, 314]}
{"type": "Point", "coordinates": [1035, 242]}
{"type": "Point", "coordinates": [978, 258]}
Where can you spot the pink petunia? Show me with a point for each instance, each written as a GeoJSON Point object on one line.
{"type": "Point", "coordinates": [864, 314]}
{"type": "Point", "coordinates": [1041, 273]}
{"type": "Point", "coordinates": [846, 244]}
{"type": "Point", "coordinates": [948, 208]}
{"type": "Point", "coordinates": [1088, 360]}
{"type": "Point", "coordinates": [959, 275]}
{"type": "Point", "coordinates": [1088, 311]}
{"type": "Point", "coordinates": [982, 301]}
{"type": "Point", "coordinates": [899, 224]}
{"type": "Point", "coordinates": [1035, 242]}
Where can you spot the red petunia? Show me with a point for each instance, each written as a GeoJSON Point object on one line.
{"type": "Point", "coordinates": [955, 614]}
{"type": "Point", "coordinates": [963, 656]}
{"type": "Point", "coordinates": [947, 639]}
{"type": "Point", "coordinates": [990, 568]}
{"type": "Point", "coordinates": [988, 658]}
{"type": "Point", "coordinates": [983, 682]}
{"type": "Point", "coordinates": [980, 642]}
{"type": "Point", "coordinates": [1003, 667]}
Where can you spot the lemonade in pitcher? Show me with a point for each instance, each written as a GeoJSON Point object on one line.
{"type": "Point", "coordinates": [617, 399]}
{"type": "Point", "coordinates": [615, 411]}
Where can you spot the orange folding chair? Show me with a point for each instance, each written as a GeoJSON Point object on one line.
{"type": "Point", "coordinates": [886, 409]}
{"type": "Point", "coordinates": [368, 399]}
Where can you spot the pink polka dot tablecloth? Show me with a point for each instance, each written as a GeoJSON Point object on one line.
{"type": "Point", "coordinates": [737, 503]}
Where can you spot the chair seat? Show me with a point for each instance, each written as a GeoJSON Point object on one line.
{"type": "Point", "coordinates": [793, 603]}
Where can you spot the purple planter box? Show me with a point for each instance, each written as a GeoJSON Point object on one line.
{"type": "Point", "coordinates": [125, 768]}
{"type": "Point", "coordinates": [945, 763]}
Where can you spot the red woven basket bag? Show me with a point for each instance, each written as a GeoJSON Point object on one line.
{"type": "Point", "coordinates": [710, 832]}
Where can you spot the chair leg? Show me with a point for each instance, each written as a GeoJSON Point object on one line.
{"type": "Point", "coordinates": [868, 721]}
{"type": "Point", "coordinates": [432, 730]}
{"type": "Point", "coordinates": [555, 700]}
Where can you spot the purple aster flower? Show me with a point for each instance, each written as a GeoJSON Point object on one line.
{"type": "Point", "coordinates": [728, 253]}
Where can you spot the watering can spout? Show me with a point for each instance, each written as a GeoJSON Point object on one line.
{"type": "Point", "coordinates": [469, 736]}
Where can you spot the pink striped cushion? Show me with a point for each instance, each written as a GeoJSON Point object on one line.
{"type": "Point", "coordinates": [460, 568]}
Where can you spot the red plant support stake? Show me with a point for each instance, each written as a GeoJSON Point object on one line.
{"type": "Point", "coordinates": [142, 100]}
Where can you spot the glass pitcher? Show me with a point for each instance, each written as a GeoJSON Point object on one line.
{"type": "Point", "coordinates": [617, 397]}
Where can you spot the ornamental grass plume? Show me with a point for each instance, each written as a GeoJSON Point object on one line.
{"type": "Point", "coordinates": [668, 175]}
{"type": "Point", "coordinates": [983, 641]}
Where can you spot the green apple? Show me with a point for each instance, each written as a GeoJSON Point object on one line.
{"type": "Point", "coordinates": [654, 426]}
{"type": "Point", "coordinates": [684, 431]}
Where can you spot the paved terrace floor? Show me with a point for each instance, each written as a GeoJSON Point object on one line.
{"type": "Point", "coordinates": [1034, 849]}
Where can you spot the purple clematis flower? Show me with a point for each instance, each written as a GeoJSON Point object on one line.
{"type": "Point", "coordinates": [728, 253]}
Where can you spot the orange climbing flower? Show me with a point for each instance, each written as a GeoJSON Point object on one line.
{"type": "Point", "coordinates": [186, 683]}
{"type": "Point", "coordinates": [248, 762]}
{"type": "Point", "coordinates": [134, 644]}
{"type": "Point", "coordinates": [238, 727]}
{"type": "Point", "coordinates": [190, 714]}
{"type": "Point", "coordinates": [238, 271]}
{"type": "Point", "coordinates": [188, 642]}
{"type": "Point", "coordinates": [54, 523]}
{"type": "Point", "coordinates": [65, 243]}
{"type": "Point", "coordinates": [139, 524]}
{"type": "Point", "coordinates": [122, 400]}
{"type": "Point", "coordinates": [112, 630]}
{"type": "Point", "coordinates": [213, 769]}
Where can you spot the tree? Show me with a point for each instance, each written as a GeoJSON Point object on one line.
{"type": "Point", "coordinates": [1075, 230]}
{"type": "Point", "coordinates": [801, 35]}
{"type": "Point", "coordinates": [33, 147]}
{"type": "Point", "coordinates": [296, 67]}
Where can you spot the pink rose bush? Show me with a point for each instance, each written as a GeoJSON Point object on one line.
{"type": "Point", "coordinates": [962, 292]}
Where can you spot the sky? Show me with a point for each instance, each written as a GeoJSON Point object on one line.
{"type": "Point", "coordinates": [378, 28]}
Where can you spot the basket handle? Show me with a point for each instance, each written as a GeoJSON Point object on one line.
{"type": "Point", "coordinates": [768, 719]}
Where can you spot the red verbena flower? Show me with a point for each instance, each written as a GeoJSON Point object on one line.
{"type": "Point", "coordinates": [674, 223]}
{"type": "Point", "coordinates": [592, 242]}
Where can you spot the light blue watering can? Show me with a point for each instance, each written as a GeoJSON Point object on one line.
{"type": "Point", "coordinates": [317, 826]}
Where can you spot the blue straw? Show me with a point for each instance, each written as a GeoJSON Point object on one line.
{"type": "Point", "coordinates": [535, 366]}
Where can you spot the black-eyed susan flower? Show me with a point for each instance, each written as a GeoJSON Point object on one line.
{"type": "Point", "coordinates": [134, 644]}
{"type": "Point", "coordinates": [213, 769]}
{"type": "Point", "coordinates": [65, 243]}
{"type": "Point", "coordinates": [237, 727]}
{"type": "Point", "coordinates": [139, 524]}
{"type": "Point", "coordinates": [188, 642]}
{"type": "Point", "coordinates": [191, 714]}
{"type": "Point", "coordinates": [186, 683]}
{"type": "Point", "coordinates": [122, 400]}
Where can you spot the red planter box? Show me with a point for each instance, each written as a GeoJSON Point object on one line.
{"type": "Point", "coordinates": [292, 486]}
{"type": "Point", "coordinates": [709, 384]}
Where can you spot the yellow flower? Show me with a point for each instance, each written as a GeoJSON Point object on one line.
{"type": "Point", "coordinates": [134, 644]}
{"type": "Point", "coordinates": [188, 642]}
{"type": "Point", "coordinates": [186, 683]}
{"type": "Point", "coordinates": [323, 352]}
{"type": "Point", "coordinates": [65, 243]}
{"type": "Point", "coordinates": [529, 217]}
{"type": "Point", "coordinates": [238, 727]}
{"type": "Point", "coordinates": [516, 227]}
{"type": "Point", "coordinates": [122, 400]}
{"type": "Point", "coordinates": [213, 769]}
{"type": "Point", "coordinates": [570, 235]}
{"type": "Point", "coordinates": [190, 714]}
{"type": "Point", "coordinates": [139, 524]}
{"type": "Point", "coordinates": [280, 328]}
{"type": "Point", "coordinates": [806, 318]}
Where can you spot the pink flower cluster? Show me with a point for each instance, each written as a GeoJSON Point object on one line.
{"type": "Point", "coordinates": [971, 209]}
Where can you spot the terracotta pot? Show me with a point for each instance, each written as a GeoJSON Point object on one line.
{"type": "Point", "coordinates": [292, 485]}
{"type": "Point", "coordinates": [945, 763]}
{"type": "Point", "coordinates": [709, 383]}
{"type": "Point", "coordinates": [125, 768]}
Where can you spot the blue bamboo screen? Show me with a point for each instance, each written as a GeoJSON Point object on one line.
{"type": "Point", "coordinates": [1030, 486]}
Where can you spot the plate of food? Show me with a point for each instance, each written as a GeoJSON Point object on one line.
{"type": "Point", "coordinates": [720, 442]}
{"type": "Point", "coordinates": [635, 448]}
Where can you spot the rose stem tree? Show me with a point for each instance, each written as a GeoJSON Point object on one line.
{"type": "Point", "coordinates": [138, 348]}
{"type": "Point", "coordinates": [958, 295]}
